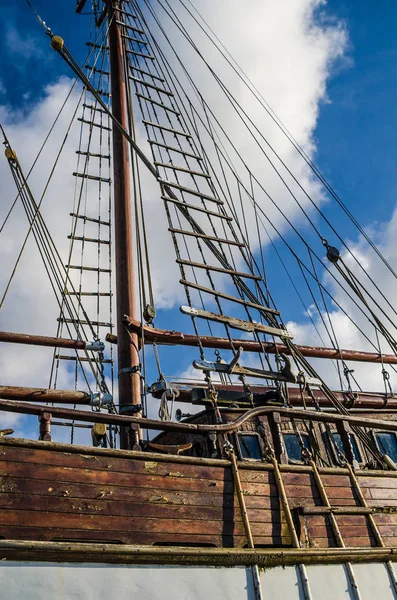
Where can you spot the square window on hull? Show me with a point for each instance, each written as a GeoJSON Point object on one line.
{"type": "Point", "coordinates": [293, 446]}
{"type": "Point", "coordinates": [387, 443]}
{"type": "Point", "coordinates": [250, 446]}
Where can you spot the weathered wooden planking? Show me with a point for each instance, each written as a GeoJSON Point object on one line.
{"type": "Point", "coordinates": [146, 539]}
{"type": "Point", "coordinates": [172, 480]}
{"type": "Point", "coordinates": [351, 542]}
{"type": "Point", "coordinates": [379, 503]}
{"type": "Point", "coordinates": [381, 482]}
{"type": "Point", "coordinates": [342, 520]}
{"type": "Point", "coordinates": [32, 487]}
{"type": "Point", "coordinates": [59, 495]}
{"type": "Point", "coordinates": [385, 494]}
{"type": "Point", "coordinates": [118, 465]}
{"type": "Point", "coordinates": [130, 525]}
{"type": "Point", "coordinates": [134, 509]}
{"type": "Point", "coordinates": [92, 491]}
{"type": "Point", "coordinates": [324, 530]}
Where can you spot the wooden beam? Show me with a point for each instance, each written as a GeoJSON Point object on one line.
{"type": "Point", "coordinates": [352, 401]}
{"type": "Point", "coordinates": [162, 336]}
{"type": "Point", "coordinates": [97, 417]}
{"type": "Point", "coordinates": [41, 340]}
{"type": "Point", "coordinates": [8, 392]}
{"type": "Point", "coordinates": [363, 400]}
{"type": "Point", "coordinates": [129, 382]}
{"type": "Point", "coordinates": [128, 554]}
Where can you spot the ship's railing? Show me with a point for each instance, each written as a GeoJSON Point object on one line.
{"type": "Point", "coordinates": [133, 423]}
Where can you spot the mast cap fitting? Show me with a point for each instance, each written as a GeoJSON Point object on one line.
{"type": "Point", "coordinates": [57, 42]}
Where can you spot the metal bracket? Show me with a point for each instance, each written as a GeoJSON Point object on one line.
{"type": "Point", "coordinates": [95, 346]}
{"type": "Point", "coordinates": [234, 368]}
{"type": "Point", "coordinates": [235, 360]}
{"type": "Point", "coordinates": [130, 409]}
{"type": "Point", "coordinates": [130, 370]}
{"type": "Point", "coordinates": [99, 399]}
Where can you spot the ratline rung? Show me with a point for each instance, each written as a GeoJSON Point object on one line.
{"type": "Point", "coordinates": [131, 27]}
{"type": "Point", "coordinates": [189, 263]}
{"type": "Point", "coordinates": [141, 54]}
{"type": "Point", "coordinates": [81, 268]}
{"type": "Point", "coordinates": [95, 70]}
{"type": "Point", "coordinates": [100, 92]}
{"type": "Point", "coordinates": [99, 46]}
{"type": "Point", "coordinates": [198, 208]}
{"type": "Point", "coordinates": [90, 219]}
{"type": "Point", "coordinates": [124, 12]}
{"type": "Point", "coordinates": [80, 358]}
{"type": "Point", "coordinates": [94, 124]}
{"type": "Point", "coordinates": [228, 297]}
{"type": "Point", "coordinates": [80, 322]}
{"type": "Point", "coordinates": [150, 85]}
{"type": "Point", "coordinates": [203, 236]}
{"type": "Point", "coordinates": [248, 326]}
{"type": "Point", "coordinates": [182, 188]}
{"type": "Point", "coordinates": [67, 293]}
{"type": "Point", "coordinates": [134, 39]}
{"type": "Point", "coordinates": [173, 149]}
{"type": "Point", "coordinates": [159, 126]}
{"type": "Point", "coordinates": [78, 238]}
{"type": "Point", "coordinates": [94, 108]}
{"type": "Point", "coordinates": [133, 67]}
{"type": "Point", "coordinates": [160, 104]}
{"type": "Point", "coordinates": [93, 154]}
{"type": "Point", "coordinates": [93, 177]}
{"type": "Point", "coordinates": [183, 169]}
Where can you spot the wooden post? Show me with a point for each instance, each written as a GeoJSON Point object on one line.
{"type": "Point", "coordinates": [45, 426]}
{"type": "Point", "coordinates": [127, 346]}
{"type": "Point", "coordinates": [278, 444]}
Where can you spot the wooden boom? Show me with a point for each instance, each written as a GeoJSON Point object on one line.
{"type": "Point", "coordinates": [162, 336]}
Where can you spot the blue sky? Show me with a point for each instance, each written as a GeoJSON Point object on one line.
{"type": "Point", "coordinates": [356, 133]}
{"type": "Point", "coordinates": [356, 129]}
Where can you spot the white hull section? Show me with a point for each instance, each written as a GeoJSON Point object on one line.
{"type": "Point", "coordinates": [76, 581]}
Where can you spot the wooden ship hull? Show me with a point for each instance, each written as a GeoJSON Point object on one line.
{"type": "Point", "coordinates": [138, 498]}
{"type": "Point", "coordinates": [161, 522]}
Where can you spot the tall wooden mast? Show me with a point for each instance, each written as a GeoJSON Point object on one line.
{"type": "Point", "coordinates": [128, 358]}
